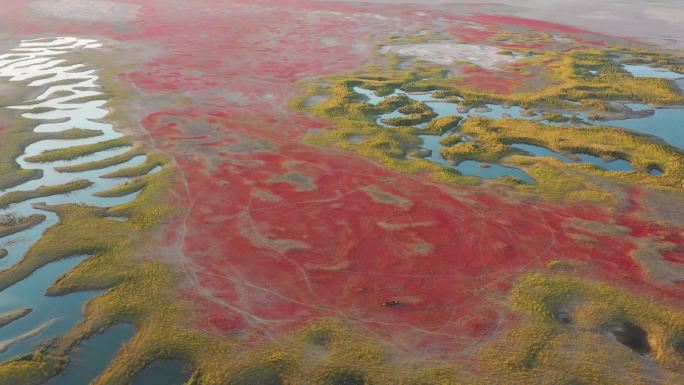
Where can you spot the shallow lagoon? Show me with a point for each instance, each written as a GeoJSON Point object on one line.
{"type": "Point", "coordinates": [613, 165]}
{"type": "Point", "coordinates": [59, 313]}
{"type": "Point", "coordinates": [163, 372]}
{"type": "Point", "coordinates": [432, 142]}
{"type": "Point", "coordinates": [666, 124]}
{"type": "Point", "coordinates": [644, 71]}
{"type": "Point", "coordinates": [93, 355]}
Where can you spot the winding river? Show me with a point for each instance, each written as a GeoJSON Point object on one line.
{"type": "Point", "coordinates": [69, 96]}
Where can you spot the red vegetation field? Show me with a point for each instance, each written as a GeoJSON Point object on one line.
{"type": "Point", "coordinates": [277, 233]}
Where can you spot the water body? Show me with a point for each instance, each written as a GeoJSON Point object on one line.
{"type": "Point", "coordinates": [644, 71]}
{"type": "Point", "coordinates": [432, 142]}
{"type": "Point", "coordinates": [666, 124]}
{"type": "Point", "coordinates": [58, 313]}
{"type": "Point", "coordinates": [613, 165]}
{"type": "Point", "coordinates": [492, 171]}
{"type": "Point", "coordinates": [541, 152]}
{"type": "Point", "coordinates": [41, 64]}
{"type": "Point", "coordinates": [163, 372]}
{"type": "Point", "coordinates": [91, 357]}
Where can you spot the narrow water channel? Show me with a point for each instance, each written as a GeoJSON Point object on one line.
{"type": "Point", "coordinates": [69, 96]}
{"type": "Point", "coordinates": [667, 124]}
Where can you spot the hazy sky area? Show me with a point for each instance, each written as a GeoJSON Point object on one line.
{"type": "Point", "coordinates": [656, 21]}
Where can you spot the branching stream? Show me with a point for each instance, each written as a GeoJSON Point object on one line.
{"type": "Point", "coordinates": [70, 96]}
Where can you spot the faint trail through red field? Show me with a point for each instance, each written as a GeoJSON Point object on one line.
{"type": "Point", "coordinates": [277, 233]}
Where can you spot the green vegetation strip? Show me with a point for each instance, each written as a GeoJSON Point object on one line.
{"type": "Point", "coordinates": [78, 151]}
{"type": "Point", "coordinates": [572, 87]}
{"type": "Point", "coordinates": [107, 162]}
{"type": "Point", "coordinates": [13, 315]}
{"type": "Point", "coordinates": [31, 369]}
{"type": "Point", "coordinates": [15, 138]}
{"type": "Point", "coordinates": [123, 189]}
{"type": "Point", "coordinates": [9, 226]}
{"type": "Point", "coordinates": [135, 171]}
{"type": "Point", "coordinates": [77, 133]}
{"type": "Point", "coordinates": [643, 152]}
{"type": "Point", "coordinates": [42, 191]}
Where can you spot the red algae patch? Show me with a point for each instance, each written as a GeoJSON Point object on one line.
{"type": "Point", "coordinates": [381, 250]}
{"type": "Point", "coordinates": [272, 234]}
{"type": "Point", "coordinates": [279, 233]}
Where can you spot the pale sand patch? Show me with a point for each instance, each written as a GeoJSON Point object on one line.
{"type": "Point", "coordinates": [4, 345]}
{"type": "Point", "coordinates": [259, 236]}
{"type": "Point", "coordinates": [381, 196]}
{"type": "Point", "coordinates": [448, 53]}
{"type": "Point", "coordinates": [86, 10]}
{"type": "Point", "coordinates": [404, 226]}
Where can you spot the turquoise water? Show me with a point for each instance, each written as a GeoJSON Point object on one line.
{"type": "Point", "coordinates": [163, 372]}
{"type": "Point", "coordinates": [471, 167]}
{"type": "Point", "coordinates": [644, 71]}
{"type": "Point", "coordinates": [667, 124]}
{"type": "Point", "coordinates": [432, 142]}
{"type": "Point", "coordinates": [91, 357]}
{"type": "Point", "coordinates": [614, 165]}
{"type": "Point", "coordinates": [58, 313]}
{"type": "Point", "coordinates": [492, 171]}
{"type": "Point", "coordinates": [541, 152]}
{"type": "Point", "coordinates": [655, 172]}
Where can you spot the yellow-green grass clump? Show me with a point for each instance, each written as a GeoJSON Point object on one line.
{"type": "Point", "coordinates": [576, 331]}
{"type": "Point", "coordinates": [415, 113]}
{"type": "Point", "coordinates": [103, 163]}
{"type": "Point", "coordinates": [15, 137]}
{"type": "Point", "coordinates": [74, 152]}
{"type": "Point", "coordinates": [11, 224]}
{"type": "Point", "coordinates": [572, 82]}
{"type": "Point", "coordinates": [31, 369]}
{"type": "Point", "coordinates": [650, 58]}
{"type": "Point", "coordinates": [572, 88]}
{"type": "Point", "coordinates": [123, 189]}
{"type": "Point", "coordinates": [42, 191]}
{"type": "Point", "coordinates": [152, 161]}
{"type": "Point", "coordinates": [493, 137]}
{"type": "Point", "coordinates": [557, 181]}
{"type": "Point", "coordinates": [442, 124]}
{"type": "Point", "coordinates": [356, 118]}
